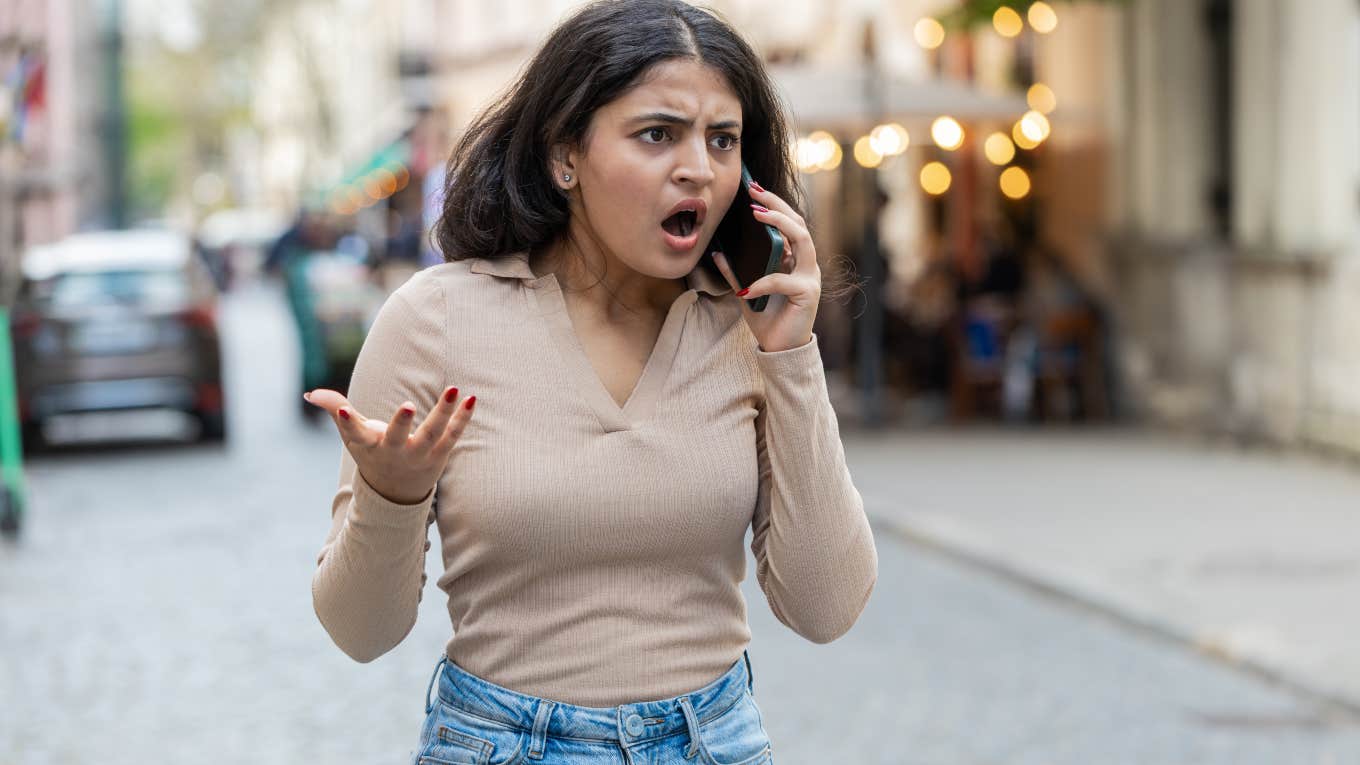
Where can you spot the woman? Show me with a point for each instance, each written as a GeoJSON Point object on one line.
{"type": "Point", "coordinates": [633, 417]}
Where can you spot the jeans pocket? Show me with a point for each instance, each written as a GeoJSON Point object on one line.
{"type": "Point", "coordinates": [736, 736]}
{"type": "Point", "coordinates": [458, 737]}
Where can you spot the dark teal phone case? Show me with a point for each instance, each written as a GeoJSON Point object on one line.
{"type": "Point", "coordinates": [739, 236]}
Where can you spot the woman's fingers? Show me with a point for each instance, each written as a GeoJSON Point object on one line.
{"type": "Point", "coordinates": [726, 271]}
{"type": "Point", "coordinates": [438, 420]}
{"type": "Point", "coordinates": [456, 424]}
{"type": "Point", "coordinates": [353, 426]}
{"type": "Point", "coordinates": [326, 398]}
{"type": "Point", "coordinates": [398, 430]}
{"type": "Point", "coordinates": [774, 284]}
{"type": "Point", "coordinates": [438, 431]}
{"type": "Point", "coordinates": [797, 241]}
{"type": "Point", "coordinates": [771, 200]}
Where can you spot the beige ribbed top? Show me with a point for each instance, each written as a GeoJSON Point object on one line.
{"type": "Point", "coordinates": [593, 553]}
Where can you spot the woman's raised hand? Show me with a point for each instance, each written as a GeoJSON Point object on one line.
{"type": "Point", "coordinates": [789, 325]}
{"type": "Point", "coordinates": [399, 464]}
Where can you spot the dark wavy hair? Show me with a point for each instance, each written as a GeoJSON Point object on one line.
{"type": "Point", "coordinates": [499, 196]}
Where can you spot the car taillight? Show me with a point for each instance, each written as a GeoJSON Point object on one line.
{"type": "Point", "coordinates": [203, 316]}
{"type": "Point", "coordinates": [209, 397]}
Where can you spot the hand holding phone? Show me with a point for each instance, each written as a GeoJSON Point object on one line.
{"type": "Point", "coordinates": [752, 249]}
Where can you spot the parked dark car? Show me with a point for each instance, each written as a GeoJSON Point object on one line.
{"type": "Point", "coordinates": [117, 321]}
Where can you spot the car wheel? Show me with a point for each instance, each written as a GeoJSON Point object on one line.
{"type": "Point", "coordinates": [212, 426]}
{"type": "Point", "coordinates": [31, 434]}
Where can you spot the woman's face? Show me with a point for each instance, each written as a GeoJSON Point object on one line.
{"type": "Point", "coordinates": [672, 138]}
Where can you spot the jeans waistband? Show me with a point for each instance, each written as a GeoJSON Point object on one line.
{"type": "Point", "coordinates": [625, 723]}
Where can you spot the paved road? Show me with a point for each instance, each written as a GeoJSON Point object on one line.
{"type": "Point", "coordinates": [1249, 553]}
{"type": "Point", "coordinates": [158, 610]}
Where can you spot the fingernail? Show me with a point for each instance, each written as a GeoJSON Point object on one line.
{"type": "Point", "coordinates": [451, 395]}
{"type": "Point", "coordinates": [758, 208]}
{"type": "Point", "coordinates": [756, 186]}
{"type": "Point", "coordinates": [471, 400]}
{"type": "Point", "coordinates": [408, 412]}
{"type": "Point", "coordinates": [742, 293]}
{"type": "Point", "coordinates": [307, 396]}
{"type": "Point", "coordinates": [344, 414]}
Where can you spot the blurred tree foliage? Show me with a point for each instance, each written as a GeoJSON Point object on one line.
{"type": "Point", "coordinates": [184, 96]}
{"type": "Point", "coordinates": [970, 12]}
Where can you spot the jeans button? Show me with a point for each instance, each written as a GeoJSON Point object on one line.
{"type": "Point", "coordinates": [633, 725]}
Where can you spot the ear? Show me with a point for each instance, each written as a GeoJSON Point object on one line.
{"type": "Point", "coordinates": [563, 166]}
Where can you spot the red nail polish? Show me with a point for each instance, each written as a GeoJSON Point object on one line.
{"type": "Point", "coordinates": [742, 293]}
{"type": "Point", "coordinates": [344, 414]}
{"type": "Point", "coordinates": [758, 208]}
{"type": "Point", "coordinates": [451, 395]}
{"type": "Point", "coordinates": [756, 186]}
{"type": "Point", "coordinates": [470, 402]}
{"type": "Point", "coordinates": [408, 413]}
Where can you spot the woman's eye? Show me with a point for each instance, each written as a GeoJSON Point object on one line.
{"type": "Point", "coordinates": [655, 130]}
{"type": "Point", "coordinates": [731, 141]}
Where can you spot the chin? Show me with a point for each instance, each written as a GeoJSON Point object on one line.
{"type": "Point", "coordinates": [671, 266]}
{"type": "Point", "coordinates": [664, 263]}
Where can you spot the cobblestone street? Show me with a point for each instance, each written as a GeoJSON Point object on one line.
{"type": "Point", "coordinates": [158, 609]}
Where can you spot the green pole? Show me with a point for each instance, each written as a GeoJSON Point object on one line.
{"type": "Point", "coordinates": [11, 450]}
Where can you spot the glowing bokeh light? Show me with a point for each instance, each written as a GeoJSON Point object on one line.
{"type": "Point", "coordinates": [865, 154]}
{"type": "Point", "coordinates": [935, 178]}
{"type": "Point", "coordinates": [947, 133]}
{"type": "Point", "coordinates": [889, 140]}
{"type": "Point", "coordinates": [1041, 98]}
{"type": "Point", "coordinates": [1007, 22]}
{"type": "Point", "coordinates": [1015, 183]}
{"type": "Point", "coordinates": [929, 33]}
{"type": "Point", "coordinates": [999, 149]}
{"type": "Point", "coordinates": [1043, 18]}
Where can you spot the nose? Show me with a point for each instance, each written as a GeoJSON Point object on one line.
{"type": "Point", "coordinates": [693, 165]}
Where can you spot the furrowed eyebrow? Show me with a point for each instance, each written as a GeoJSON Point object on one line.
{"type": "Point", "coordinates": [673, 119]}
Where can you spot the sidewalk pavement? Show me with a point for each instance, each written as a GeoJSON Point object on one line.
{"type": "Point", "coordinates": [1250, 556]}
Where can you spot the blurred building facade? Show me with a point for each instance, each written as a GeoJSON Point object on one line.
{"type": "Point", "coordinates": [326, 94]}
{"type": "Point", "coordinates": [53, 176]}
{"type": "Point", "coordinates": [1237, 240]}
{"type": "Point", "coordinates": [842, 69]}
{"type": "Point", "coordinates": [1188, 220]}
{"type": "Point", "coordinates": [347, 121]}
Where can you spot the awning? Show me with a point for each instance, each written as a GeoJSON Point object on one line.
{"type": "Point", "coordinates": [381, 175]}
{"type": "Point", "coordinates": [389, 157]}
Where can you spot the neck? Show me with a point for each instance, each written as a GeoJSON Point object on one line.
{"type": "Point", "coordinates": [597, 280]}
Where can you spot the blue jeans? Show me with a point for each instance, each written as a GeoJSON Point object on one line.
{"type": "Point", "coordinates": [470, 721]}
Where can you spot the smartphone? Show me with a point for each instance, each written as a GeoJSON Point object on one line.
{"type": "Point", "coordinates": [753, 249]}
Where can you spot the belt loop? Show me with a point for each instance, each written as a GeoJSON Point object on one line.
{"type": "Point", "coordinates": [429, 705]}
{"type": "Point", "coordinates": [750, 677]}
{"type": "Point", "coordinates": [541, 718]}
{"type": "Point", "coordinates": [692, 723]}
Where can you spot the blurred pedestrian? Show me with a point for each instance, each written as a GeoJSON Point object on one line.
{"type": "Point", "coordinates": [638, 417]}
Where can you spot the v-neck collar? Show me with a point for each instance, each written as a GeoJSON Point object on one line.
{"type": "Point", "coordinates": [546, 294]}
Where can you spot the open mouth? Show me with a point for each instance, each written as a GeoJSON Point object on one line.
{"type": "Point", "coordinates": [681, 224]}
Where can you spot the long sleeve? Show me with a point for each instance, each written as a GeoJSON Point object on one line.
{"type": "Point", "coordinates": [814, 549]}
{"type": "Point", "coordinates": [370, 571]}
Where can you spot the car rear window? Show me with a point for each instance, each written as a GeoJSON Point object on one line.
{"type": "Point", "coordinates": [131, 287]}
